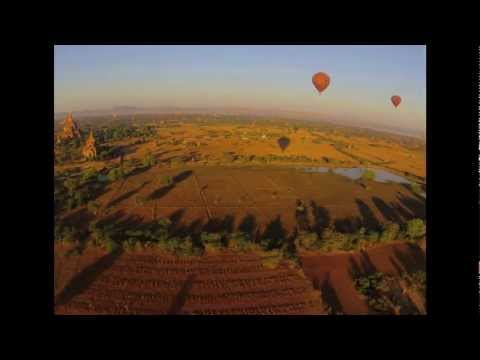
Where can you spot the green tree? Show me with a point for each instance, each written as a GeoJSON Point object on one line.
{"type": "Point", "coordinates": [167, 180]}
{"type": "Point", "coordinates": [114, 174]}
{"type": "Point", "coordinates": [148, 160]}
{"type": "Point", "coordinates": [89, 174]}
{"type": "Point", "coordinates": [416, 188]}
{"type": "Point", "coordinates": [71, 184]}
{"type": "Point", "coordinates": [389, 232]}
{"type": "Point", "coordinates": [368, 175]}
{"type": "Point", "coordinates": [415, 229]}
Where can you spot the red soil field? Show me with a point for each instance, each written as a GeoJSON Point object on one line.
{"type": "Point", "coordinates": [146, 283]}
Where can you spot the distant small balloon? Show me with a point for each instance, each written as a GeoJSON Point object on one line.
{"type": "Point", "coordinates": [283, 142]}
{"type": "Point", "coordinates": [396, 100]}
{"type": "Point", "coordinates": [321, 81]}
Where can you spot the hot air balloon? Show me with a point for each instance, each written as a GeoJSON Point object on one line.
{"type": "Point", "coordinates": [320, 81]}
{"type": "Point", "coordinates": [283, 142]}
{"type": "Point", "coordinates": [396, 100]}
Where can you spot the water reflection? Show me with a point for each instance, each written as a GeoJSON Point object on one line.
{"type": "Point", "coordinates": [355, 173]}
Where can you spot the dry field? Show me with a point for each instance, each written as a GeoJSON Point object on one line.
{"type": "Point", "coordinates": [148, 283]}
{"type": "Point", "coordinates": [203, 194]}
{"type": "Point", "coordinates": [210, 194]}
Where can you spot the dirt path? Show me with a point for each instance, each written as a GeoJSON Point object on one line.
{"type": "Point", "coordinates": [204, 199]}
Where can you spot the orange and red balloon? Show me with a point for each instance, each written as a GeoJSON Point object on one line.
{"type": "Point", "coordinates": [396, 100]}
{"type": "Point", "coordinates": [321, 81]}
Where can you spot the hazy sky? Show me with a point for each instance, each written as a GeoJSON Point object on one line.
{"type": "Point", "coordinates": [363, 78]}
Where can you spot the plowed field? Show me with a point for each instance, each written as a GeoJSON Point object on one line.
{"type": "Point", "coordinates": [142, 283]}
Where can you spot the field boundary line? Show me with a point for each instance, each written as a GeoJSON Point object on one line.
{"type": "Point", "coordinates": [209, 214]}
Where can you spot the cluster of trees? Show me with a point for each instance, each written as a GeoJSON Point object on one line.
{"type": "Point", "coordinates": [122, 132]}
{"type": "Point", "coordinates": [68, 150]}
{"type": "Point", "coordinates": [330, 240]}
{"type": "Point", "coordinates": [71, 193]}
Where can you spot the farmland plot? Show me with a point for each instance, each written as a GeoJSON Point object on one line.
{"type": "Point", "coordinates": [145, 283]}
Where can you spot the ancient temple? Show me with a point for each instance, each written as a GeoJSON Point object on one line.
{"type": "Point", "coordinates": [70, 128]}
{"type": "Point", "coordinates": [90, 150]}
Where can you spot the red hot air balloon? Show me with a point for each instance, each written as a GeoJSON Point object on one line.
{"type": "Point", "coordinates": [396, 100]}
{"type": "Point", "coordinates": [320, 81]}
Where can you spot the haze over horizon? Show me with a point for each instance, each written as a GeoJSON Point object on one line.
{"type": "Point", "coordinates": [363, 78]}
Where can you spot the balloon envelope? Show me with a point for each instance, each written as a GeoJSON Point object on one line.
{"type": "Point", "coordinates": [396, 100]}
{"type": "Point", "coordinates": [283, 142]}
{"type": "Point", "coordinates": [320, 81]}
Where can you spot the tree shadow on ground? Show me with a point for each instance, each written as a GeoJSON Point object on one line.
{"type": "Point", "coordinates": [181, 298]}
{"type": "Point", "coordinates": [164, 190]}
{"type": "Point", "coordinates": [138, 170]}
{"type": "Point", "coordinates": [329, 295]}
{"type": "Point", "coordinates": [248, 225]}
{"type": "Point", "coordinates": [410, 189]}
{"type": "Point", "coordinates": [182, 176]}
{"type": "Point", "coordinates": [215, 225]}
{"type": "Point", "coordinates": [275, 233]}
{"type": "Point", "coordinates": [388, 212]}
{"type": "Point", "coordinates": [321, 218]}
{"type": "Point", "coordinates": [79, 218]}
{"type": "Point", "coordinates": [86, 277]}
{"type": "Point", "coordinates": [369, 221]}
{"type": "Point", "coordinates": [363, 267]}
{"type": "Point", "coordinates": [348, 224]}
{"type": "Point", "coordinates": [161, 192]}
{"type": "Point", "coordinates": [405, 214]}
{"type": "Point", "coordinates": [175, 218]}
{"type": "Point", "coordinates": [415, 205]}
{"type": "Point", "coordinates": [412, 260]}
{"type": "Point", "coordinates": [127, 195]}
{"type": "Point", "coordinates": [301, 216]}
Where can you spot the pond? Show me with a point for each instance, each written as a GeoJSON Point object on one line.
{"type": "Point", "coordinates": [355, 173]}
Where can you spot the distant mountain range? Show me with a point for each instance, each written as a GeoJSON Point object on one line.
{"type": "Point", "coordinates": [299, 115]}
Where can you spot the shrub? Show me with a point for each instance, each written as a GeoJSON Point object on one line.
{"type": "Point", "coordinates": [211, 241]}
{"type": "Point", "coordinates": [416, 188]}
{"type": "Point", "coordinates": [389, 232]}
{"type": "Point", "coordinates": [111, 245]}
{"type": "Point", "coordinates": [415, 229]}
{"type": "Point", "coordinates": [128, 167]}
{"type": "Point", "coordinates": [102, 236]}
{"type": "Point", "coordinates": [373, 236]}
{"type": "Point", "coordinates": [272, 259]}
{"type": "Point", "coordinates": [185, 247]}
{"type": "Point", "coordinates": [167, 180]}
{"type": "Point", "coordinates": [148, 160]}
{"type": "Point", "coordinates": [240, 241]}
{"type": "Point", "coordinates": [369, 285]}
{"type": "Point", "coordinates": [81, 197]}
{"type": "Point", "coordinates": [417, 280]}
{"type": "Point", "coordinates": [307, 241]}
{"type": "Point", "coordinates": [368, 175]}
{"type": "Point", "coordinates": [102, 178]}
{"type": "Point", "coordinates": [332, 240]}
{"type": "Point", "coordinates": [115, 174]}
{"type": "Point", "coordinates": [289, 252]}
{"type": "Point", "coordinates": [71, 184]}
{"type": "Point", "coordinates": [65, 235]}
{"type": "Point", "coordinates": [89, 175]}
